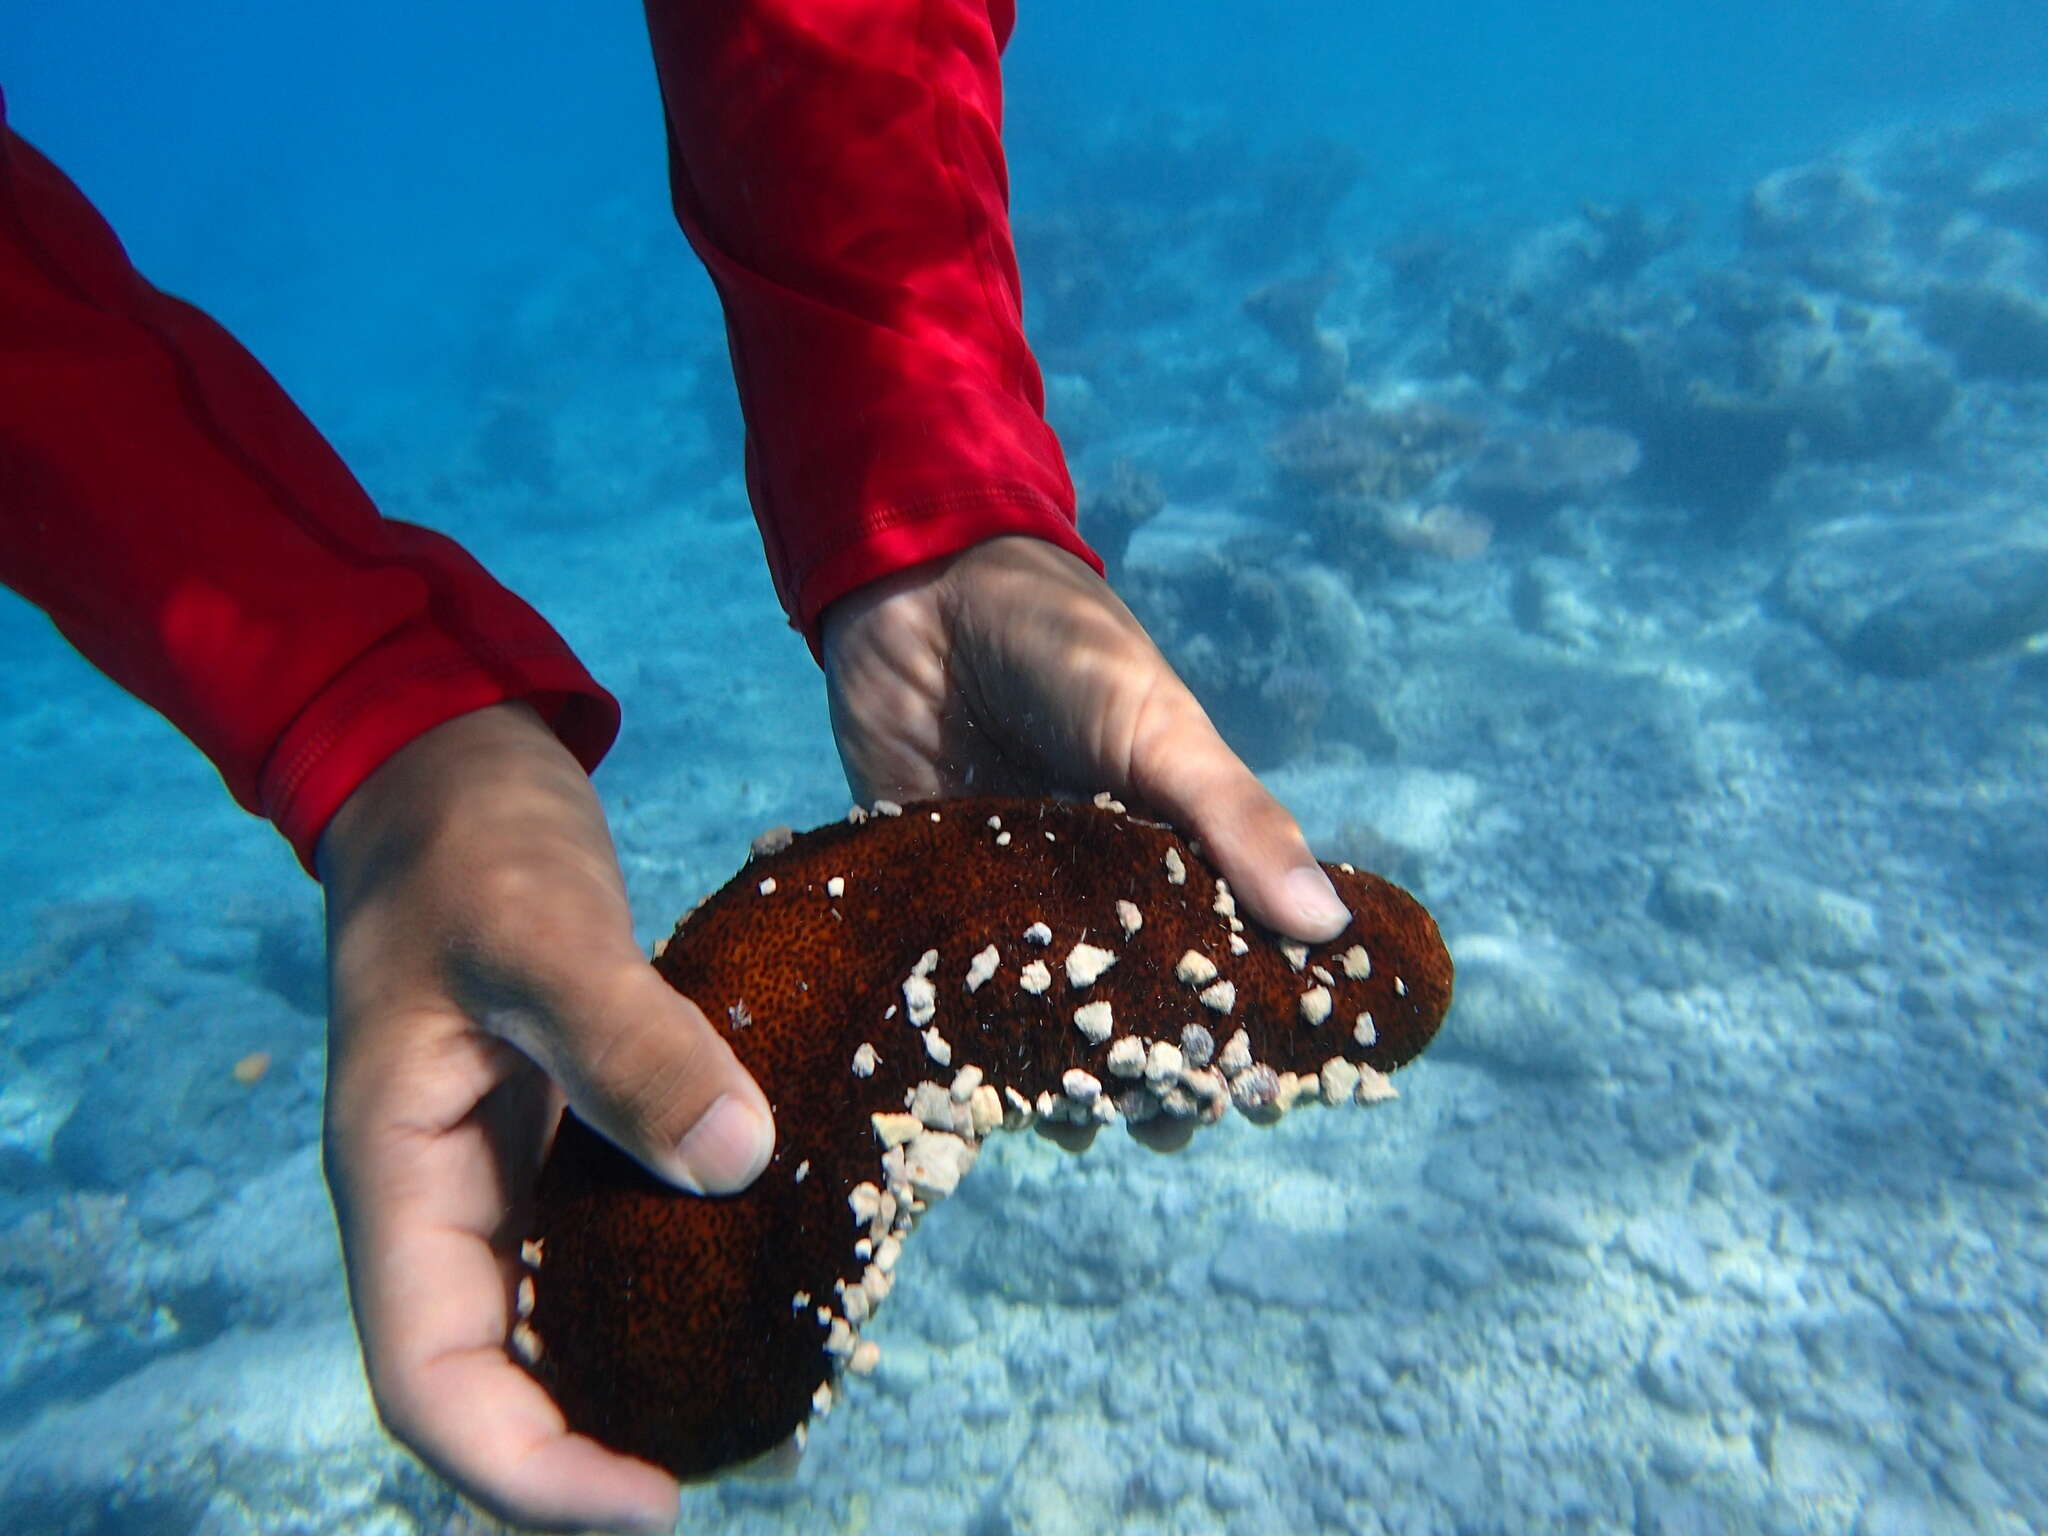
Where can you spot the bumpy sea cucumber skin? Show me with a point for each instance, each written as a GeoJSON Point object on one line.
{"type": "Point", "coordinates": [692, 1332]}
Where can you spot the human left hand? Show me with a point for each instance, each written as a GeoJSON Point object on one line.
{"type": "Point", "coordinates": [1011, 668]}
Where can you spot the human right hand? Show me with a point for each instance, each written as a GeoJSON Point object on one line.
{"type": "Point", "coordinates": [482, 967]}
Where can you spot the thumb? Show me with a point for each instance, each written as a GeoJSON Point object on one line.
{"type": "Point", "coordinates": [1189, 773]}
{"type": "Point", "coordinates": [644, 1067]}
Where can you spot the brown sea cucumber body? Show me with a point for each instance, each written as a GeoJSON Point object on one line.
{"type": "Point", "coordinates": [911, 981]}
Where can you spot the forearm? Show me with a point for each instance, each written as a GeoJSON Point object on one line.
{"type": "Point", "coordinates": [186, 527]}
{"type": "Point", "coordinates": [839, 168]}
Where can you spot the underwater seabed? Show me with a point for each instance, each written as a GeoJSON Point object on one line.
{"type": "Point", "coordinates": [1716, 1207]}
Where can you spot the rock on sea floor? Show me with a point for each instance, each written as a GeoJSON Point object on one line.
{"type": "Point", "coordinates": [258, 1431]}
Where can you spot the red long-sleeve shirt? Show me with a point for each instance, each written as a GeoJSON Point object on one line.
{"type": "Point", "coordinates": [837, 165]}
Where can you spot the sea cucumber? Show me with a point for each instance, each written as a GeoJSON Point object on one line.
{"type": "Point", "coordinates": [698, 1333]}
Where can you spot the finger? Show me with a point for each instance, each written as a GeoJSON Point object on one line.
{"type": "Point", "coordinates": [418, 1199]}
{"type": "Point", "coordinates": [1181, 766]}
{"type": "Point", "coordinates": [646, 1069]}
{"type": "Point", "coordinates": [446, 1387]}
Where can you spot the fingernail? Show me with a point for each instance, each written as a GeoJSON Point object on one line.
{"type": "Point", "coordinates": [1321, 911]}
{"type": "Point", "coordinates": [727, 1148]}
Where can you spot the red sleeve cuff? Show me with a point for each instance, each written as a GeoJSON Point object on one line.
{"type": "Point", "coordinates": [411, 682]}
{"type": "Point", "coordinates": [898, 538]}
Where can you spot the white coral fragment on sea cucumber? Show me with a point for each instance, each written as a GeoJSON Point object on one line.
{"type": "Point", "coordinates": [1127, 1057]}
{"type": "Point", "coordinates": [1356, 962]}
{"type": "Point", "coordinates": [920, 999]}
{"type": "Point", "coordinates": [864, 1060]}
{"type": "Point", "coordinates": [875, 1284]}
{"type": "Point", "coordinates": [767, 886]}
{"type": "Point", "coordinates": [1339, 1080]}
{"type": "Point", "coordinates": [1086, 962]}
{"type": "Point", "coordinates": [1081, 1086]}
{"type": "Point", "coordinates": [1297, 954]}
{"type": "Point", "coordinates": [839, 1338]}
{"type": "Point", "coordinates": [1038, 934]}
{"type": "Point", "coordinates": [1315, 1005]}
{"type": "Point", "coordinates": [865, 1200]}
{"type": "Point", "coordinates": [1195, 968]}
{"type": "Point", "coordinates": [1093, 1020]}
{"type": "Point", "coordinates": [526, 1343]}
{"type": "Point", "coordinates": [1237, 1054]}
{"type": "Point", "coordinates": [1256, 1092]}
{"type": "Point", "coordinates": [1363, 1030]}
{"type": "Point", "coordinates": [836, 887]}
{"type": "Point", "coordinates": [1176, 868]}
{"type": "Point", "coordinates": [935, 1162]}
{"type": "Point", "coordinates": [1034, 977]}
{"type": "Point", "coordinates": [893, 1130]}
{"type": "Point", "coordinates": [1128, 917]}
{"type": "Point", "coordinates": [985, 1110]}
{"type": "Point", "coordinates": [1374, 1086]}
{"type": "Point", "coordinates": [934, 1105]}
{"type": "Point", "coordinates": [888, 808]}
{"type": "Point", "coordinates": [853, 1301]}
{"type": "Point", "coordinates": [935, 1046]}
{"type": "Point", "coordinates": [1220, 996]}
{"type": "Point", "coordinates": [981, 967]}
{"type": "Point", "coordinates": [1163, 1063]}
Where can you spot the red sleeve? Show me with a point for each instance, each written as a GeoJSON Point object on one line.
{"type": "Point", "coordinates": [838, 165]}
{"type": "Point", "coordinates": [191, 533]}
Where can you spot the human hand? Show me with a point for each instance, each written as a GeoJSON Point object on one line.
{"type": "Point", "coordinates": [1011, 668]}
{"type": "Point", "coordinates": [480, 953]}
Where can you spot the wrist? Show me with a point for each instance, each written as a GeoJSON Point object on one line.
{"type": "Point", "coordinates": [410, 793]}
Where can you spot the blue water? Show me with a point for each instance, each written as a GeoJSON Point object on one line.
{"type": "Point", "coordinates": [1672, 626]}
